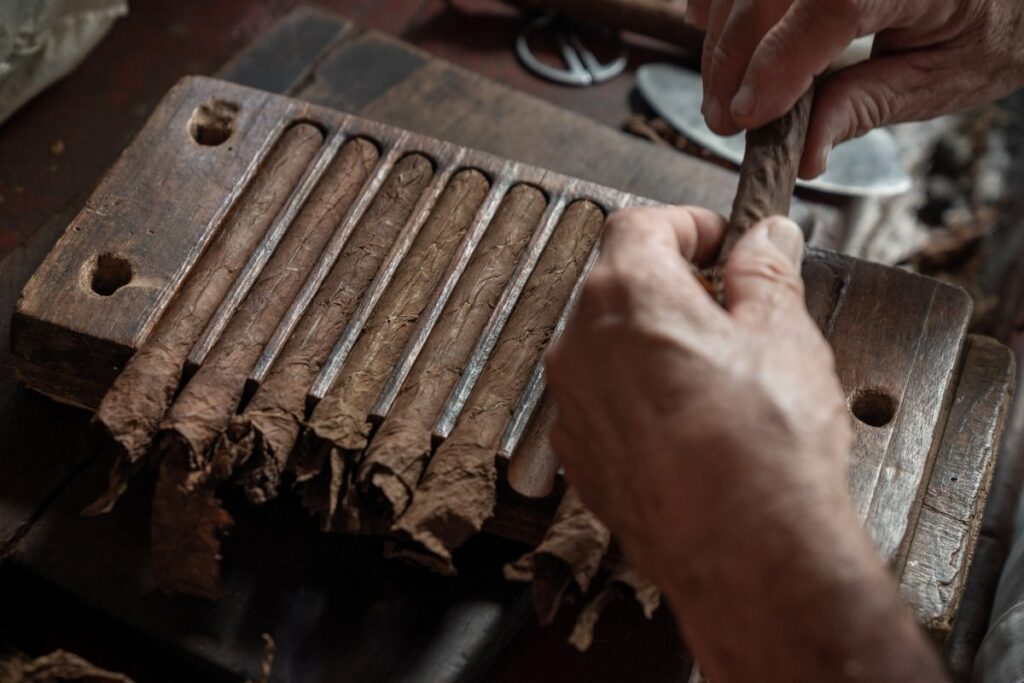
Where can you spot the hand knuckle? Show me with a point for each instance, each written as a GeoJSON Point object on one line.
{"type": "Point", "coordinates": [725, 61]}
{"type": "Point", "coordinates": [769, 267]}
{"type": "Point", "coordinates": [869, 105]}
{"type": "Point", "coordinates": [624, 219]}
{"type": "Point", "coordinates": [637, 222]}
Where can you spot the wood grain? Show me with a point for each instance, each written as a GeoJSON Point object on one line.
{"type": "Point", "coordinates": [133, 224]}
{"type": "Point", "coordinates": [947, 530]}
{"type": "Point", "coordinates": [902, 375]}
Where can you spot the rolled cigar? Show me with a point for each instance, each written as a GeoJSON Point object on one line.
{"type": "Point", "coordinates": [278, 403]}
{"type": "Point", "coordinates": [458, 490]}
{"type": "Point", "coordinates": [342, 417]}
{"type": "Point", "coordinates": [342, 414]}
{"type": "Point", "coordinates": [204, 407]}
{"type": "Point", "coordinates": [769, 171]}
{"type": "Point", "coordinates": [133, 406]}
{"type": "Point", "coordinates": [186, 520]}
{"type": "Point", "coordinates": [398, 453]}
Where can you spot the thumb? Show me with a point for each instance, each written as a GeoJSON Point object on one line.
{"type": "Point", "coordinates": [762, 272]}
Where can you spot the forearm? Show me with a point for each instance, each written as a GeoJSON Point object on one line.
{"type": "Point", "coordinates": [801, 597]}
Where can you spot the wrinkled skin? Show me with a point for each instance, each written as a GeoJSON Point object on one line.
{"type": "Point", "coordinates": [930, 57]}
{"type": "Point", "coordinates": [668, 403]}
{"type": "Point", "coordinates": [714, 443]}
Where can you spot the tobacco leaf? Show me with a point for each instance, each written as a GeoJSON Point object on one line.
{"type": "Point", "coordinates": [624, 581]}
{"type": "Point", "coordinates": [132, 408]}
{"type": "Point", "coordinates": [263, 435]}
{"type": "Point", "coordinates": [205, 406]}
{"type": "Point", "coordinates": [342, 415]}
{"type": "Point", "coordinates": [361, 259]}
{"type": "Point", "coordinates": [398, 453]}
{"type": "Point", "coordinates": [453, 501]}
{"type": "Point", "coordinates": [459, 488]}
{"type": "Point", "coordinates": [570, 552]}
{"type": "Point", "coordinates": [58, 665]}
{"type": "Point", "coordinates": [203, 410]}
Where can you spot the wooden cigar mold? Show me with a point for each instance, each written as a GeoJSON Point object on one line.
{"type": "Point", "coordinates": [323, 282]}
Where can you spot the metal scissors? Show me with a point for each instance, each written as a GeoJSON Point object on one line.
{"type": "Point", "coordinates": [581, 66]}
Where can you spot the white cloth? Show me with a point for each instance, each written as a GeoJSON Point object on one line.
{"type": "Point", "coordinates": [42, 40]}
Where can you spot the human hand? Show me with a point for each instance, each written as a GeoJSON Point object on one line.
{"type": "Point", "coordinates": [686, 426]}
{"type": "Point", "coordinates": [930, 57]}
{"type": "Point", "coordinates": [714, 444]}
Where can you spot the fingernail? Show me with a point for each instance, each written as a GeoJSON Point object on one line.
{"type": "Point", "coordinates": [786, 236]}
{"type": "Point", "coordinates": [744, 102]}
{"type": "Point", "coordinates": [713, 113]}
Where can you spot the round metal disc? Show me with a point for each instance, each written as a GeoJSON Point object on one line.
{"type": "Point", "coordinates": [867, 166]}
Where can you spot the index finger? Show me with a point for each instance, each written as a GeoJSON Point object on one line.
{"type": "Point", "coordinates": [646, 262]}
{"type": "Point", "coordinates": [692, 232]}
{"type": "Point", "coordinates": [792, 53]}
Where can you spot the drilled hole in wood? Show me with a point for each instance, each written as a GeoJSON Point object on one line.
{"type": "Point", "coordinates": [213, 123]}
{"type": "Point", "coordinates": [873, 407]}
{"type": "Point", "coordinates": [111, 273]}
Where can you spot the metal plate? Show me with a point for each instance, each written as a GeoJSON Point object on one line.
{"type": "Point", "coordinates": [869, 166]}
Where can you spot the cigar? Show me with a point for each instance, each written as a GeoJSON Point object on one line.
{"type": "Point", "coordinates": [767, 175]}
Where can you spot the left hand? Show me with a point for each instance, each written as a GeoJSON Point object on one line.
{"type": "Point", "coordinates": [930, 57]}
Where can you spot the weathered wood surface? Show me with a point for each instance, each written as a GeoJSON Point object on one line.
{"type": "Point", "coordinates": [155, 226]}
{"type": "Point", "coordinates": [379, 77]}
{"type": "Point", "coordinates": [231, 648]}
{"type": "Point", "coordinates": [947, 529]}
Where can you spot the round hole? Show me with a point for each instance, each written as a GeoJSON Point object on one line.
{"type": "Point", "coordinates": [873, 407]}
{"type": "Point", "coordinates": [111, 273]}
{"type": "Point", "coordinates": [213, 123]}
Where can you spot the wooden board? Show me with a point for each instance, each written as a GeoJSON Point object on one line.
{"type": "Point", "coordinates": [897, 356]}
{"type": "Point", "coordinates": [950, 521]}
{"type": "Point", "coordinates": [229, 648]}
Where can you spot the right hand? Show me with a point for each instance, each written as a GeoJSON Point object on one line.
{"type": "Point", "coordinates": [724, 408]}
{"type": "Point", "coordinates": [930, 57]}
